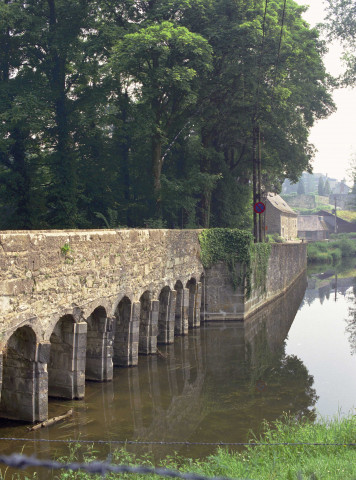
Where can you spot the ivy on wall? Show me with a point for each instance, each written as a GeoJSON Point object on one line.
{"type": "Point", "coordinates": [260, 253]}
{"type": "Point", "coordinates": [235, 247]}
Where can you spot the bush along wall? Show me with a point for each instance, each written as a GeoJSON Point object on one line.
{"type": "Point", "coordinates": [235, 247]}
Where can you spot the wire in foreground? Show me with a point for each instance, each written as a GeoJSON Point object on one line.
{"type": "Point", "coordinates": [187, 444]}
{"type": "Point", "coordinates": [101, 468]}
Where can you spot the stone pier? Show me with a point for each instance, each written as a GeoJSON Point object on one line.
{"type": "Point", "coordinates": [74, 304]}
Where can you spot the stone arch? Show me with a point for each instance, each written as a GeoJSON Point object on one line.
{"type": "Point", "coordinates": [166, 315]}
{"type": "Point", "coordinates": [148, 324]}
{"type": "Point", "coordinates": [76, 313]}
{"type": "Point", "coordinates": [99, 351]}
{"type": "Point", "coordinates": [88, 309]}
{"type": "Point", "coordinates": [24, 382]}
{"type": "Point", "coordinates": [181, 313]}
{"type": "Point", "coordinates": [126, 333]}
{"type": "Point", "coordinates": [66, 367]}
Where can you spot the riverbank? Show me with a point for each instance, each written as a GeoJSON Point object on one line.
{"type": "Point", "coordinates": [332, 251]}
{"type": "Point", "coordinates": [267, 461]}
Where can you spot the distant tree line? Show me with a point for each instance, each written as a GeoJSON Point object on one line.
{"type": "Point", "coordinates": [141, 112]}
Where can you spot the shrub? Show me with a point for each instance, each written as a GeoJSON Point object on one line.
{"type": "Point", "coordinates": [336, 254]}
{"type": "Point", "coordinates": [341, 245]}
{"type": "Point", "coordinates": [274, 238]}
{"type": "Point", "coordinates": [348, 247]}
{"type": "Point", "coordinates": [317, 254]}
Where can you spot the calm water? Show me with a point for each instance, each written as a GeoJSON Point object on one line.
{"type": "Point", "coordinates": [223, 380]}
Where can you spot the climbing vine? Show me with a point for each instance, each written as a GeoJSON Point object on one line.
{"type": "Point", "coordinates": [260, 253]}
{"type": "Point", "coordinates": [236, 247]}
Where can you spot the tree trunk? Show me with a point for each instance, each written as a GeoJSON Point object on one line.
{"type": "Point", "coordinates": [206, 195]}
{"type": "Point", "coordinates": [64, 201]}
{"type": "Point", "coordinates": [23, 184]}
{"type": "Point", "coordinates": [157, 169]}
{"type": "Point", "coordinates": [123, 143]}
{"type": "Point", "coordinates": [206, 207]}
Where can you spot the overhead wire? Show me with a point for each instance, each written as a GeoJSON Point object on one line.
{"type": "Point", "coordinates": [279, 50]}
{"type": "Point", "coordinates": [183, 443]}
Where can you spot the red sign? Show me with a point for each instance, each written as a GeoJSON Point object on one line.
{"type": "Point", "coordinates": [259, 207]}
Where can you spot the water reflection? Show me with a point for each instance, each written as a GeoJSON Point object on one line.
{"type": "Point", "coordinates": [334, 282]}
{"type": "Point", "coordinates": [203, 388]}
{"type": "Point", "coordinates": [289, 384]}
{"type": "Point", "coordinates": [318, 336]}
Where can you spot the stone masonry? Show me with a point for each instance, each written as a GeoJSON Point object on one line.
{"type": "Point", "coordinates": [77, 303]}
{"type": "Point", "coordinates": [286, 263]}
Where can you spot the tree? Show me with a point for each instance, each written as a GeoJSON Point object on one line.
{"type": "Point", "coordinates": [242, 74]}
{"type": "Point", "coordinates": [321, 187]}
{"type": "Point", "coordinates": [352, 176]}
{"type": "Point", "coordinates": [341, 25]}
{"type": "Point", "coordinates": [23, 116]}
{"type": "Point", "coordinates": [301, 189]}
{"type": "Point", "coordinates": [163, 64]}
{"type": "Point", "coordinates": [113, 113]}
{"type": "Point", "coordinates": [327, 188]}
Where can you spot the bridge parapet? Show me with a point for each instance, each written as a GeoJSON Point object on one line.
{"type": "Point", "coordinates": [47, 274]}
{"type": "Point", "coordinates": [74, 304]}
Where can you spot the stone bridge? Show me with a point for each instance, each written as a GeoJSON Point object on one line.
{"type": "Point", "coordinates": [76, 303]}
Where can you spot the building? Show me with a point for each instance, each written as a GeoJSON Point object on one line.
{"type": "Point", "coordinates": [341, 188]}
{"type": "Point", "coordinates": [312, 228]}
{"type": "Point", "coordinates": [345, 201]}
{"type": "Point", "coordinates": [280, 218]}
{"type": "Point", "coordinates": [342, 226]}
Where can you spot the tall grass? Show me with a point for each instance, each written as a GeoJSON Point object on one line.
{"type": "Point", "coordinates": [264, 462]}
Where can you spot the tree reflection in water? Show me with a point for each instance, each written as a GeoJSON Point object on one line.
{"type": "Point", "coordinates": [205, 388]}
{"type": "Point", "coordinates": [351, 319]}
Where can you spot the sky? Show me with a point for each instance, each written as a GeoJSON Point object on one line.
{"type": "Point", "coordinates": [333, 137]}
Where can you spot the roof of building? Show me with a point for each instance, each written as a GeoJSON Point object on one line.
{"type": "Point", "coordinates": [279, 203]}
{"type": "Point", "coordinates": [328, 215]}
{"type": "Point", "coordinates": [311, 223]}
{"type": "Point", "coordinates": [341, 188]}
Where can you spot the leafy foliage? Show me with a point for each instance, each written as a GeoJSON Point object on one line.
{"type": "Point", "coordinates": [341, 25]}
{"type": "Point", "coordinates": [340, 245]}
{"type": "Point", "coordinates": [236, 249]}
{"type": "Point", "coordinates": [112, 113]}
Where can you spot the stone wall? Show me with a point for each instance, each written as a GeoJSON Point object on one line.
{"type": "Point", "coordinates": [220, 300]}
{"type": "Point", "coordinates": [41, 280]}
{"type": "Point", "coordinates": [322, 199]}
{"type": "Point", "coordinates": [301, 201]}
{"type": "Point", "coordinates": [283, 223]}
{"type": "Point", "coordinates": [77, 303]}
{"type": "Point", "coordinates": [288, 229]}
{"type": "Point", "coordinates": [345, 201]}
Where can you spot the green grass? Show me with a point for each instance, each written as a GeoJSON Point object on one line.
{"type": "Point", "coordinates": [265, 462]}
{"type": "Point", "coordinates": [347, 215]}
{"type": "Point", "coordinates": [339, 246]}
{"type": "Point", "coordinates": [313, 211]}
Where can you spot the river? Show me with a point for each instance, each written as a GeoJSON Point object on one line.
{"type": "Point", "coordinates": [223, 380]}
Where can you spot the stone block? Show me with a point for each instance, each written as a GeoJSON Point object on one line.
{"type": "Point", "coordinates": [81, 328]}
{"type": "Point", "coordinates": [15, 243]}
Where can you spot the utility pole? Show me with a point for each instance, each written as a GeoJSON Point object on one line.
{"type": "Point", "coordinates": [261, 215]}
{"type": "Point", "coordinates": [254, 180]}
